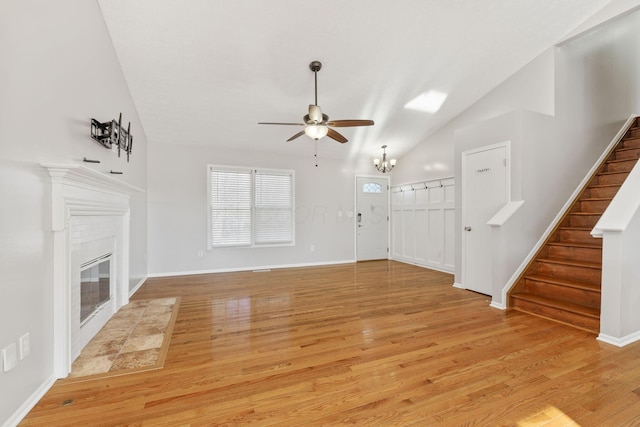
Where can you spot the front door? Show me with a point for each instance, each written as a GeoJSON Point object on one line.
{"type": "Point", "coordinates": [485, 190]}
{"type": "Point", "coordinates": [372, 218]}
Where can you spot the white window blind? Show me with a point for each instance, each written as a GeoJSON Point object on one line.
{"type": "Point", "coordinates": [273, 207]}
{"type": "Point", "coordinates": [251, 207]}
{"type": "Point", "coordinates": [230, 207]}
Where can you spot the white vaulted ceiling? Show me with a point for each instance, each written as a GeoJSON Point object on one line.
{"type": "Point", "coordinates": [204, 72]}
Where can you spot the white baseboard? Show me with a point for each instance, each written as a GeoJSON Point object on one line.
{"type": "Point", "coordinates": [254, 268]}
{"type": "Point", "coordinates": [492, 304]}
{"type": "Point", "coordinates": [498, 305]}
{"type": "Point", "coordinates": [30, 403]}
{"type": "Point", "coordinates": [429, 266]}
{"type": "Point", "coordinates": [619, 342]}
{"type": "Point", "coordinates": [137, 286]}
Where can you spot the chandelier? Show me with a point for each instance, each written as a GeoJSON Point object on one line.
{"type": "Point", "coordinates": [385, 165]}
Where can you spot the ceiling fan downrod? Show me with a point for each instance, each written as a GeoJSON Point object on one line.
{"type": "Point", "coordinates": [316, 66]}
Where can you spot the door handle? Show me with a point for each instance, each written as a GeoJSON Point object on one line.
{"type": "Point", "coordinates": [467, 228]}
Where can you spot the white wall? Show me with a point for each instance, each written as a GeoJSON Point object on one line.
{"type": "Point", "coordinates": [614, 9]}
{"type": "Point", "coordinates": [584, 89]}
{"type": "Point", "coordinates": [537, 177]}
{"type": "Point", "coordinates": [531, 89]}
{"type": "Point", "coordinates": [178, 209]}
{"type": "Point", "coordinates": [58, 69]}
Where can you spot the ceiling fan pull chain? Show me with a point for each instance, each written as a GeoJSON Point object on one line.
{"type": "Point", "coordinates": [315, 153]}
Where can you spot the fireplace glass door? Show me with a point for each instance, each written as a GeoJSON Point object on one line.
{"type": "Point", "coordinates": [95, 286]}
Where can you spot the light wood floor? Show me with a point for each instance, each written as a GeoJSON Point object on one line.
{"type": "Point", "coordinates": [377, 343]}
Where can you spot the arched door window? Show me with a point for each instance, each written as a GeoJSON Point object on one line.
{"type": "Point", "coordinates": [372, 187]}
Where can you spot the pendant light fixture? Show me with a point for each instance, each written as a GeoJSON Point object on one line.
{"type": "Point", "coordinates": [385, 165]}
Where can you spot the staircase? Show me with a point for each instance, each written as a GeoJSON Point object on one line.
{"type": "Point", "coordinates": [562, 282]}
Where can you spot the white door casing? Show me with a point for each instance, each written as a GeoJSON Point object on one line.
{"type": "Point", "coordinates": [485, 190]}
{"type": "Point", "coordinates": [372, 218]}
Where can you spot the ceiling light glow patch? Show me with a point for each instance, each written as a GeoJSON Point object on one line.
{"type": "Point", "coordinates": [429, 102]}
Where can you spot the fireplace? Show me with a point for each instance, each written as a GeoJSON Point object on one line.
{"type": "Point", "coordinates": [90, 224]}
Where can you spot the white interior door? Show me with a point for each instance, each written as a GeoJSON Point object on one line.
{"type": "Point", "coordinates": [485, 190]}
{"type": "Point", "coordinates": [372, 218]}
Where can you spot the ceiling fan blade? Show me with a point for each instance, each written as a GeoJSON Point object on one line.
{"type": "Point", "coordinates": [296, 136]}
{"type": "Point", "coordinates": [286, 124]}
{"type": "Point", "coordinates": [337, 136]}
{"type": "Point", "coordinates": [349, 123]}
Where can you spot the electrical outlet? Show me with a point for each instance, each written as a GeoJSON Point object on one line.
{"type": "Point", "coordinates": [200, 253]}
{"type": "Point", "coordinates": [9, 357]}
{"type": "Point", "coordinates": [312, 248]}
{"type": "Point", "coordinates": [25, 346]}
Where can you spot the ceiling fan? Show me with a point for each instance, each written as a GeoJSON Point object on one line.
{"type": "Point", "coordinates": [316, 123]}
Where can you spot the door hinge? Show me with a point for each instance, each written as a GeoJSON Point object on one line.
{"type": "Point", "coordinates": [387, 250]}
{"type": "Point", "coordinates": [387, 217]}
{"type": "Point", "coordinates": [505, 162]}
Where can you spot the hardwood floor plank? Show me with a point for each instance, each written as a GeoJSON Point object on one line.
{"type": "Point", "coordinates": [376, 343]}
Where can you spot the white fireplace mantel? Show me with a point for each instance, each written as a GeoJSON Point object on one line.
{"type": "Point", "coordinates": [80, 191]}
{"type": "Point", "coordinates": [73, 184]}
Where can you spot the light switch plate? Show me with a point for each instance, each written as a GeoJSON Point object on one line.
{"type": "Point", "coordinates": [9, 357]}
{"type": "Point", "coordinates": [25, 346]}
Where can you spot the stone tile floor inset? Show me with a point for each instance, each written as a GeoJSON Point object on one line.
{"type": "Point", "coordinates": [142, 342]}
{"type": "Point", "coordinates": [136, 338]}
{"type": "Point", "coordinates": [135, 359]}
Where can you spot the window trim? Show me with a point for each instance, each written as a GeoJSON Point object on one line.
{"type": "Point", "coordinates": [253, 171]}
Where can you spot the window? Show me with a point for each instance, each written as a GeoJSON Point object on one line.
{"type": "Point", "coordinates": [250, 207]}
{"type": "Point", "coordinates": [372, 187]}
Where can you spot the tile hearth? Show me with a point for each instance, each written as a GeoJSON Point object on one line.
{"type": "Point", "coordinates": [135, 338]}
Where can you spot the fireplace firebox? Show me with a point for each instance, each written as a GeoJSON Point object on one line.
{"type": "Point", "coordinates": [95, 287]}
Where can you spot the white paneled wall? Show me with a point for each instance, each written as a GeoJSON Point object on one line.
{"type": "Point", "coordinates": [422, 223]}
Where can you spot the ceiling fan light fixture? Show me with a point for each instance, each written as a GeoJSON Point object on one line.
{"type": "Point", "coordinates": [315, 114]}
{"type": "Point", "coordinates": [316, 131]}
